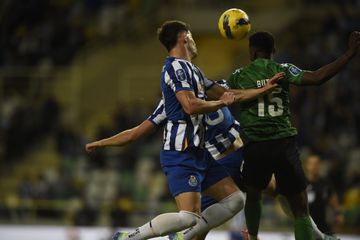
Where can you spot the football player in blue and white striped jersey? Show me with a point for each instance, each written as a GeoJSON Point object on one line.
{"type": "Point", "coordinates": [183, 159]}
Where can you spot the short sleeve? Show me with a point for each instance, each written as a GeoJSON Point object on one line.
{"type": "Point", "coordinates": [178, 76]}
{"type": "Point", "coordinates": [293, 73]}
{"type": "Point", "coordinates": [208, 83]}
{"type": "Point", "coordinates": [158, 117]}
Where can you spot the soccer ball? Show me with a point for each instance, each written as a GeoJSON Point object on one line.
{"type": "Point", "coordinates": [234, 24]}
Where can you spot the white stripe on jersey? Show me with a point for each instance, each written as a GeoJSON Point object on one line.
{"type": "Point", "coordinates": [177, 66]}
{"type": "Point", "coordinates": [212, 150]}
{"type": "Point", "coordinates": [168, 81]}
{"type": "Point", "coordinates": [180, 134]}
{"type": "Point", "coordinates": [168, 135]}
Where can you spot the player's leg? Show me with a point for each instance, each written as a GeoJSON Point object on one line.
{"type": "Point", "coordinates": [284, 204]}
{"type": "Point", "coordinates": [257, 172]}
{"type": "Point", "coordinates": [166, 223]}
{"type": "Point", "coordinates": [291, 182]}
{"type": "Point", "coordinates": [232, 164]}
{"type": "Point", "coordinates": [230, 200]}
{"type": "Point", "coordinates": [185, 185]}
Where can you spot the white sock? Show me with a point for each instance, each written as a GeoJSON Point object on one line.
{"type": "Point", "coordinates": [216, 214]}
{"type": "Point", "coordinates": [164, 224]}
{"type": "Point", "coordinates": [316, 231]}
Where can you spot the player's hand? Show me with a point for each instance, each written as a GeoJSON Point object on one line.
{"type": "Point", "coordinates": [272, 83]}
{"type": "Point", "coordinates": [228, 98]}
{"type": "Point", "coordinates": [354, 43]}
{"type": "Point", "coordinates": [92, 146]}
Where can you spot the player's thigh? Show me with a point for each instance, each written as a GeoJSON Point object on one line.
{"type": "Point", "coordinates": [258, 165]}
{"type": "Point", "coordinates": [222, 189]}
{"type": "Point", "coordinates": [189, 201]}
{"type": "Point", "coordinates": [289, 174]}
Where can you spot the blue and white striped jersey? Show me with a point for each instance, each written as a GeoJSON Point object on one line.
{"type": "Point", "coordinates": [221, 128]}
{"type": "Point", "coordinates": [182, 130]}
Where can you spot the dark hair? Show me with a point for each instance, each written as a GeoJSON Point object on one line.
{"type": "Point", "coordinates": [263, 41]}
{"type": "Point", "coordinates": [169, 31]}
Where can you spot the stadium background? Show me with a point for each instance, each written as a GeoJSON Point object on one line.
{"type": "Point", "coordinates": [74, 71]}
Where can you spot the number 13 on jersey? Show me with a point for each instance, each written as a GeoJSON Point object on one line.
{"type": "Point", "coordinates": [271, 104]}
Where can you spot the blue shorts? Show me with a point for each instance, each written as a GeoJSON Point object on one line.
{"type": "Point", "coordinates": [190, 171]}
{"type": "Point", "coordinates": [232, 164]}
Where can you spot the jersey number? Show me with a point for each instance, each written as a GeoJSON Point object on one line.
{"type": "Point", "coordinates": [217, 120]}
{"type": "Point", "coordinates": [275, 107]}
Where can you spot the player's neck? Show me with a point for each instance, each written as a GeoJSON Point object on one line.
{"type": "Point", "coordinates": [180, 53]}
{"type": "Point", "coordinates": [312, 177]}
{"type": "Point", "coordinates": [262, 55]}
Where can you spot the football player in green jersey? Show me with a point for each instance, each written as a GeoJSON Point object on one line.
{"type": "Point", "coordinates": [271, 146]}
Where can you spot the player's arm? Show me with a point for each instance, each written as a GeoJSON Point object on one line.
{"type": "Point", "coordinates": [243, 95]}
{"type": "Point", "coordinates": [155, 120]}
{"type": "Point", "coordinates": [326, 72]}
{"type": "Point", "coordinates": [123, 138]}
{"type": "Point", "coordinates": [193, 105]}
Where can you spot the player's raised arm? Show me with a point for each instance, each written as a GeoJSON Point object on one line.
{"type": "Point", "coordinates": [193, 105]}
{"type": "Point", "coordinates": [155, 120]}
{"type": "Point", "coordinates": [326, 72]}
{"type": "Point", "coordinates": [243, 95]}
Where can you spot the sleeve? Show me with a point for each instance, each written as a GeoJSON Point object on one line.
{"type": "Point", "coordinates": [208, 83]}
{"type": "Point", "coordinates": [177, 76]}
{"type": "Point", "coordinates": [158, 117]}
{"type": "Point", "coordinates": [293, 74]}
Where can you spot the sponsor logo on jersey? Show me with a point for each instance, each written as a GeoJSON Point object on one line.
{"type": "Point", "coordinates": [180, 74]}
{"type": "Point", "coordinates": [294, 71]}
{"type": "Point", "coordinates": [193, 182]}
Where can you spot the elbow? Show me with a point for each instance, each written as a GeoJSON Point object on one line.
{"type": "Point", "coordinates": [190, 110]}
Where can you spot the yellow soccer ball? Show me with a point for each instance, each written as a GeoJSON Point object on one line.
{"type": "Point", "coordinates": [234, 24]}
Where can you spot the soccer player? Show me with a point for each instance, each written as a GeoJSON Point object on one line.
{"type": "Point", "coordinates": [222, 142]}
{"type": "Point", "coordinates": [182, 158]}
{"type": "Point", "coordinates": [270, 146]}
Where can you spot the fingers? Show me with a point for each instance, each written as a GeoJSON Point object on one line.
{"type": "Point", "coordinates": [277, 77]}
{"type": "Point", "coordinates": [228, 98]}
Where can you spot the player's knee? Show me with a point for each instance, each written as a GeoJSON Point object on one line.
{"type": "Point", "coordinates": [187, 219]}
{"type": "Point", "coordinates": [235, 202]}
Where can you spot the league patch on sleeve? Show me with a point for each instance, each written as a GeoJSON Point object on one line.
{"type": "Point", "coordinates": [180, 74]}
{"type": "Point", "coordinates": [294, 70]}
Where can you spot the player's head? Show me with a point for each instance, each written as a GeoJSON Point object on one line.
{"type": "Point", "coordinates": [312, 165]}
{"type": "Point", "coordinates": [261, 44]}
{"type": "Point", "coordinates": [174, 34]}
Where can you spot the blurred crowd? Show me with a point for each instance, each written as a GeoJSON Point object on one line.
{"type": "Point", "coordinates": [108, 186]}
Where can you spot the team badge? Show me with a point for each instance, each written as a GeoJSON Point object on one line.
{"type": "Point", "coordinates": [193, 181]}
{"type": "Point", "coordinates": [180, 74]}
{"type": "Point", "coordinates": [294, 70]}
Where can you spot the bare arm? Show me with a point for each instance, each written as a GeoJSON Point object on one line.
{"type": "Point", "coordinates": [193, 105]}
{"type": "Point", "coordinates": [243, 95]}
{"type": "Point", "coordinates": [123, 138]}
{"type": "Point", "coordinates": [326, 72]}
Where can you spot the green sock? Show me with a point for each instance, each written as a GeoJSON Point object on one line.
{"type": "Point", "coordinates": [303, 229]}
{"type": "Point", "coordinates": [252, 215]}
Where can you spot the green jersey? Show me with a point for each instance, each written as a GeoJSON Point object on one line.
{"type": "Point", "coordinates": [267, 117]}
